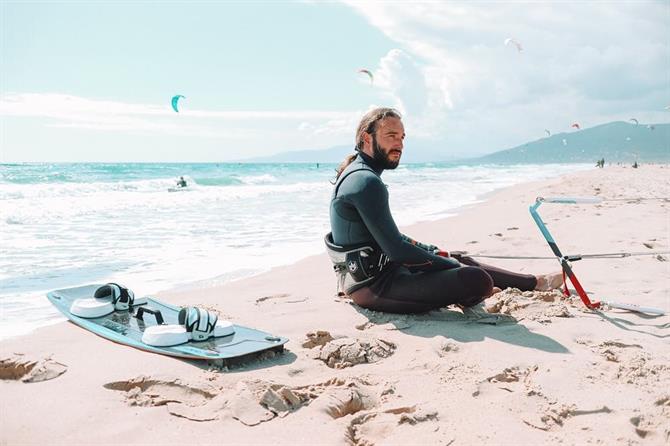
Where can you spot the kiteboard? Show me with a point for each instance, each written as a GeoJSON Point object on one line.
{"type": "Point", "coordinates": [178, 189]}
{"type": "Point", "coordinates": [127, 328]}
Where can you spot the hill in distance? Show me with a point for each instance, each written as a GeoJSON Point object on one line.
{"type": "Point", "coordinates": [615, 141]}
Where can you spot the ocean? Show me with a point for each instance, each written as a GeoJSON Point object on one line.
{"type": "Point", "coordinates": [64, 225]}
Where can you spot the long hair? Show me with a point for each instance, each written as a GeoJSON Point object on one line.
{"type": "Point", "coordinates": [368, 124]}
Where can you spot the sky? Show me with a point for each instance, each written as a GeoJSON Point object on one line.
{"type": "Point", "coordinates": [92, 81]}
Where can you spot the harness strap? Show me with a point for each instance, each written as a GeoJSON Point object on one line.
{"type": "Point", "coordinates": [343, 177]}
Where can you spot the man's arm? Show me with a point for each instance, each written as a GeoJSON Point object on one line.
{"type": "Point", "coordinates": [424, 246]}
{"type": "Point", "coordinates": [433, 249]}
{"type": "Point", "coordinates": [371, 202]}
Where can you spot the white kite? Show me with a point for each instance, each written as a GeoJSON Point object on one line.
{"type": "Point", "coordinates": [514, 42]}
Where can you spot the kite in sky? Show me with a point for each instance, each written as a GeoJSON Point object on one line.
{"type": "Point", "coordinates": [513, 42]}
{"type": "Point", "coordinates": [175, 102]}
{"type": "Point", "coordinates": [369, 73]}
{"type": "Point", "coordinates": [576, 125]}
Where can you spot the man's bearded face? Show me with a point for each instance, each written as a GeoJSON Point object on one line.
{"type": "Point", "coordinates": [386, 158]}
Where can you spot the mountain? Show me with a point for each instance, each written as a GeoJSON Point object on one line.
{"type": "Point", "coordinates": [614, 141]}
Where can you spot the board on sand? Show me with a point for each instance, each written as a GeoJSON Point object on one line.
{"type": "Point", "coordinates": [124, 328]}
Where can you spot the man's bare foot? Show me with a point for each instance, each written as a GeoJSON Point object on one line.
{"type": "Point", "coordinates": [495, 290]}
{"type": "Point", "coordinates": [548, 282]}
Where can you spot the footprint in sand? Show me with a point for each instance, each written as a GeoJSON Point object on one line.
{"type": "Point", "coordinates": [317, 338]}
{"type": "Point", "coordinates": [252, 402]}
{"type": "Point", "coordinates": [643, 425]}
{"type": "Point", "coordinates": [285, 298]}
{"type": "Point", "coordinates": [634, 365]}
{"type": "Point", "coordinates": [515, 387]}
{"type": "Point", "coordinates": [511, 379]}
{"type": "Point", "coordinates": [654, 421]}
{"type": "Point", "coordinates": [182, 399]}
{"type": "Point", "coordinates": [552, 416]}
{"type": "Point", "coordinates": [340, 398]}
{"type": "Point", "coordinates": [335, 398]}
{"type": "Point", "coordinates": [20, 368]}
{"type": "Point", "coordinates": [402, 425]}
{"type": "Point", "coordinates": [540, 306]}
{"type": "Point", "coordinates": [641, 369]}
{"type": "Point", "coordinates": [348, 352]}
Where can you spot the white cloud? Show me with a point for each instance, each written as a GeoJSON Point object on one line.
{"type": "Point", "coordinates": [585, 61]}
{"type": "Point", "coordinates": [62, 106]}
{"type": "Point", "coordinates": [67, 111]}
{"type": "Point", "coordinates": [208, 134]}
{"type": "Point", "coordinates": [411, 89]}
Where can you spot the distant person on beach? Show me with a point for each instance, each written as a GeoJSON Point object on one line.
{"type": "Point", "coordinates": [181, 182]}
{"type": "Point", "coordinates": [384, 270]}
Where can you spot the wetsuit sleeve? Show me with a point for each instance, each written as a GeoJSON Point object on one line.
{"type": "Point", "coordinates": [424, 246]}
{"type": "Point", "coordinates": [371, 202]}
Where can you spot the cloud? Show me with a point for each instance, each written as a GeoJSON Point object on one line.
{"type": "Point", "coordinates": [409, 87]}
{"type": "Point", "coordinates": [451, 69]}
{"type": "Point", "coordinates": [67, 111]}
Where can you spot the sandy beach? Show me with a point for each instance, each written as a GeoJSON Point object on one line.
{"type": "Point", "coordinates": [549, 372]}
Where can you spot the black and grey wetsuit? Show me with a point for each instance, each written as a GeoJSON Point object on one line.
{"type": "Point", "coordinates": [409, 277]}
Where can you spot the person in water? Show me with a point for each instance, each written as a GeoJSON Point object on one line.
{"type": "Point", "coordinates": [181, 182]}
{"type": "Point", "coordinates": [383, 270]}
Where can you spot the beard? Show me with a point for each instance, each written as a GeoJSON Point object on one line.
{"type": "Point", "coordinates": [381, 157]}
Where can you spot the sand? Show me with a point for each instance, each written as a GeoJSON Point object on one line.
{"type": "Point", "coordinates": [547, 371]}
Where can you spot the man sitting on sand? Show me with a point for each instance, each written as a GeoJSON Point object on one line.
{"type": "Point", "coordinates": [384, 270]}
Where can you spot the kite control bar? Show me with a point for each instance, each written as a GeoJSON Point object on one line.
{"type": "Point", "coordinates": [565, 260]}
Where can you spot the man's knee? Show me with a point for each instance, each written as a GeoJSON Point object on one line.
{"type": "Point", "coordinates": [477, 283]}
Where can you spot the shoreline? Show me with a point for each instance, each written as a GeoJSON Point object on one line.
{"type": "Point", "coordinates": [220, 280]}
{"type": "Point", "coordinates": [559, 375]}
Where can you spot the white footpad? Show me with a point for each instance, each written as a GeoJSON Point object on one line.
{"type": "Point", "coordinates": [91, 308]}
{"type": "Point", "coordinates": [165, 335]}
{"type": "Point", "coordinates": [169, 335]}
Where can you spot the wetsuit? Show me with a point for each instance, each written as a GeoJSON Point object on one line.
{"type": "Point", "coordinates": [414, 279]}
